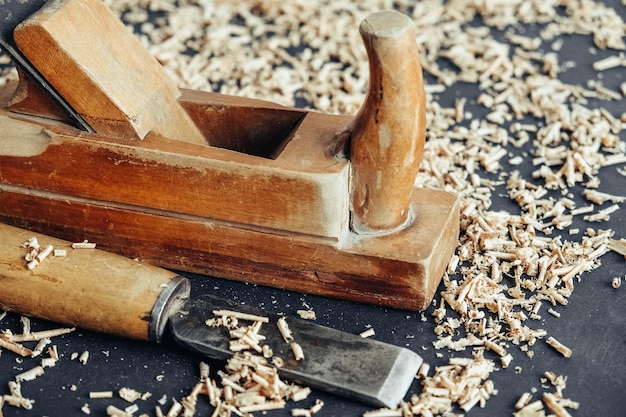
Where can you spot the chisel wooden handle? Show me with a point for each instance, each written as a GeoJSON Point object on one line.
{"type": "Point", "coordinates": [87, 288]}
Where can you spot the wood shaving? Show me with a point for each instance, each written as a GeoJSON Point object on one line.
{"type": "Point", "coordinates": [523, 401]}
{"type": "Point", "coordinates": [41, 345]}
{"type": "Point", "coordinates": [316, 408]}
{"type": "Point", "coordinates": [559, 347]}
{"type": "Point", "coordinates": [30, 374]}
{"type": "Point", "coordinates": [129, 394]}
{"type": "Point", "coordinates": [509, 267]}
{"type": "Point", "coordinates": [304, 412]}
{"type": "Point", "coordinates": [9, 341]}
{"type": "Point", "coordinates": [131, 409]}
{"type": "Point", "coordinates": [298, 353]}
{"type": "Point", "coordinates": [31, 243]}
{"type": "Point", "coordinates": [25, 324]}
{"type": "Point", "coordinates": [554, 401]}
{"type": "Point", "coordinates": [367, 333]}
{"type": "Point", "coordinates": [45, 334]}
{"type": "Point", "coordinates": [616, 282]}
{"type": "Point", "coordinates": [423, 370]}
{"type": "Point", "coordinates": [618, 246]}
{"type": "Point", "coordinates": [15, 347]}
{"type": "Point", "coordinates": [113, 411]}
{"type": "Point", "coordinates": [101, 394]}
{"type": "Point", "coordinates": [464, 382]}
{"type": "Point", "coordinates": [610, 62]}
{"type": "Point", "coordinates": [85, 244]}
{"type": "Point", "coordinates": [283, 327]}
{"type": "Point", "coordinates": [249, 382]}
{"type": "Point", "coordinates": [240, 316]}
{"type": "Point", "coordinates": [307, 314]}
{"type": "Point", "coordinates": [18, 401]}
{"type": "Point", "coordinates": [84, 357]}
{"type": "Point", "coordinates": [37, 254]}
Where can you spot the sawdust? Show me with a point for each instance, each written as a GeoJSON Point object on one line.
{"type": "Point", "coordinates": [508, 265]}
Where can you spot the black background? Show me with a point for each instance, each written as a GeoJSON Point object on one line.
{"type": "Point", "coordinates": [593, 324]}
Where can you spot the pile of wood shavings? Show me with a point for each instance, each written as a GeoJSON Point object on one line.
{"type": "Point", "coordinates": [250, 381]}
{"type": "Point", "coordinates": [37, 254]}
{"type": "Point", "coordinates": [509, 266]}
{"type": "Point", "coordinates": [512, 265]}
{"type": "Point", "coordinates": [555, 401]}
{"type": "Point", "coordinates": [15, 343]}
{"type": "Point", "coordinates": [463, 381]}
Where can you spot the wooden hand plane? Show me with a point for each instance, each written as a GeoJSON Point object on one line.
{"type": "Point", "coordinates": [97, 143]}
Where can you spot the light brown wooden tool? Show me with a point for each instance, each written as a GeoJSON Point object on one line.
{"type": "Point", "coordinates": [387, 136]}
{"type": "Point", "coordinates": [263, 200]}
{"type": "Point", "coordinates": [103, 71]}
{"type": "Point", "coordinates": [103, 292]}
{"type": "Point", "coordinates": [90, 288]}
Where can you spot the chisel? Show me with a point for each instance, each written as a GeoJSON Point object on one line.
{"type": "Point", "coordinates": [103, 292]}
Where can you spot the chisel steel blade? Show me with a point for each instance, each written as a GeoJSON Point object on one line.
{"type": "Point", "coordinates": [363, 369]}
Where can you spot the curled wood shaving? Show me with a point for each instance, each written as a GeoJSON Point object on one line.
{"type": "Point", "coordinates": [85, 244]}
{"type": "Point", "coordinates": [464, 382]}
{"type": "Point", "coordinates": [599, 198]}
{"type": "Point", "coordinates": [367, 333]}
{"type": "Point", "coordinates": [307, 314]}
{"type": "Point", "coordinates": [37, 254]}
{"type": "Point", "coordinates": [241, 316]}
{"type": "Point", "coordinates": [45, 334]}
{"type": "Point", "coordinates": [84, 357]}
{"type": "Point", "coordinates": [559, 347]}
{"type": "Point", "coordinates": [618, 246]}
{"type": "Point", "coordinates": [129, 394]}
{"type": "Point", "coordinates": [15, 347]}
{"type": "Point", "coordinates": [30, 374]}
{"type": "Point", "coordinates": [101, 394]}
{"type": "Point", "coordinates": [12, 342]}
{"type": "Point", "coordinates": [18, 401]}
{"type": "Point", "coordinates": [249, 382]}
{"type": "Point", "coordinates": [113, 411]}
{"type": "Point", "coordinates": [616, 282]}
{"type": "Point", "coordinates": [554, 401]}
{"type": "Point", "coordinates": [508, 267]}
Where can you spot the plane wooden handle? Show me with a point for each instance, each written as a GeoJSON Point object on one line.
{"type": "Point", "coordinates": [387, 137]}
{"type": "Point", "coordinates": [87, 288]}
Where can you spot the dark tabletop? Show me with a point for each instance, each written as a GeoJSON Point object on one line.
{"type": "Point", "coordinates": [593, 324]}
